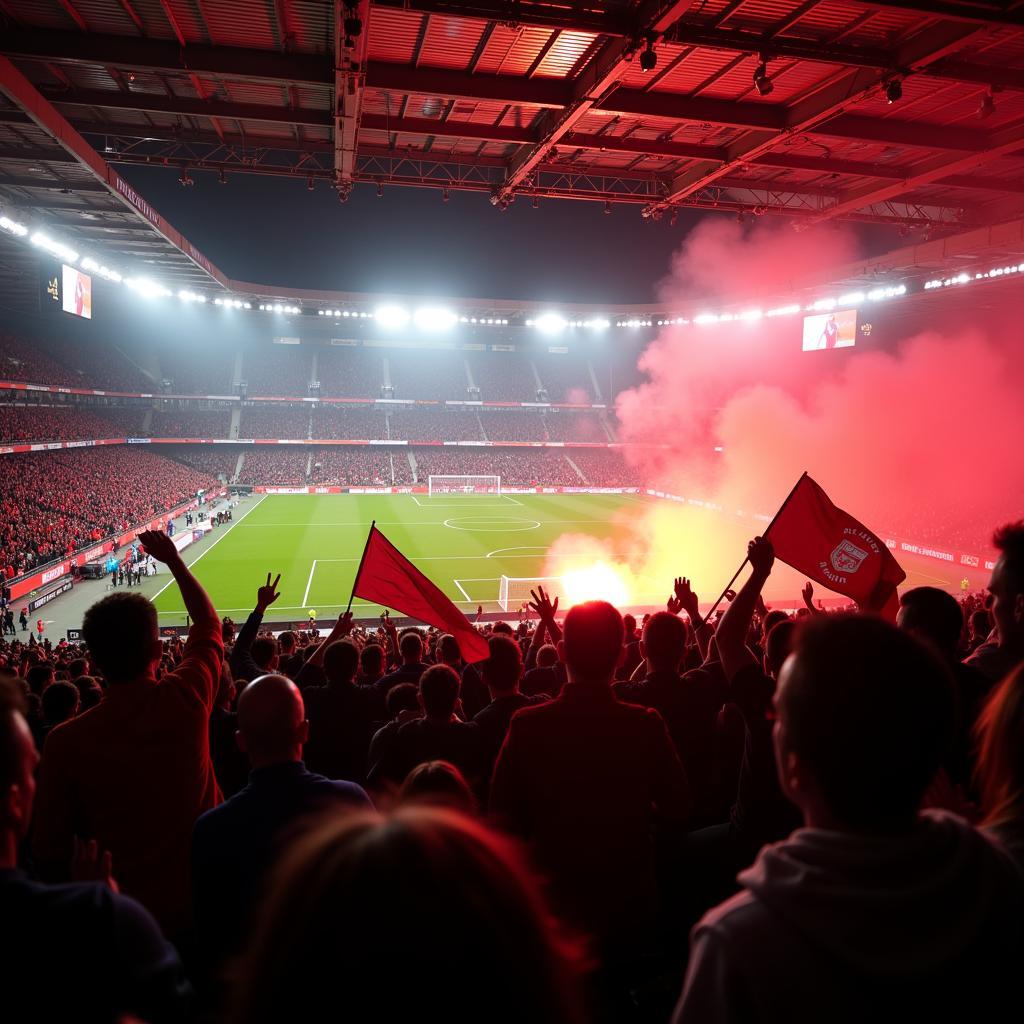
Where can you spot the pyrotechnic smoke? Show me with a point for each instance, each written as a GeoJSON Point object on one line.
{"type": "Point", "coordinates": [922, 440]}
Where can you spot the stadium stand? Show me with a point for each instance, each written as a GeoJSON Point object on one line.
{"type": "Point", "coordinates": [191, 423]}
{"type": "Point", "coordinates": [574, 426]}
{"type": "Point", "coordinates": [52, 423]}
{"type": "Point", "coordinates": [565, 376]}
{"type": "Point", "coordinates": [427, 373]}
{"type": "Point", "coordinates": [214, 460]}
{"type": "Point", "coordinates": [349, 422]}
{"type": "Point", "coordinates": [193, 371]}
{"type": "Point", "coordinates": [275, 467]}
{"type": "Point", "coordinates": [513, 426]}
{"type": "Point", "coordinates": [352, 467]}
{"type": "Point", "coordinates": [606, 467]}
{"type": "Point", "coordinates": [350, 371]}
{"type": "Point", "coordinates": [524, 468]}
{"type": "Point", "coordinates": [277, 370]}
{"type": "Point", "coordinates": [433, 424]}
{"type": "Point", "coordinates": [53, 503]}
{"type": "Point", "coordinates": [502, 376]}
{"type": "Point", "coordinates": [274, 421]}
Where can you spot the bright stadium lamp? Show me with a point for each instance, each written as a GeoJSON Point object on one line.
{"type": "Point", "coordinates": [550, 323]}
{"type": "Point", "coordinates": [433, 318]}
{"type": "Point", "coordinates": [392, 316]}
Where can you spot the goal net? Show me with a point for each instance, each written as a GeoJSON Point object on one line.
{"type": "Point", "coordinates": [463, 484]}
{"type": "Point", "coordinates": [514, 591]}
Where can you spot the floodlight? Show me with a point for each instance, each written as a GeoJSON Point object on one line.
{"type": "Point", "coordinates": [392, 316]}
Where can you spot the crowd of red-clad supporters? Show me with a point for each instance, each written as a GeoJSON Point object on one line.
{"type": "Point", "coordinates": [427, 373]}
{"type": "Point", "coordinates": [502, 376]}
{"type": "Point", "coordinates": [607, 467]}
{"type": "Point", "coordinates": [215, 460]}
{"type": "Point", "coordinates": [55, 503]}
{"type": "Point", "coordinates": [773, 815]}
{"type": "Point", "coordinates": [357, 466]}
{"type": "Point", "coordinates": [277, 370]}
{"type": "Point", "coordinates": [52, 423]}
{"type": "Point", "coordinates": [198, 367]}
{"type": "Point", "coordinates": [575, 426]}
{"type": "Point", "coordinates": [524, 468]}
{"type": "Point", "coordinates": [360, 423]}
{"type": "Point", "coordinates": [191, 423]}
{"type": "Point", "coordinates": [426, 424]}
{"type": "Point", "coordinates": [54, 360]}
{"type": "Point", "coordinates": [350, 371]}
{"type": "Point", "coordinates": [513, 426]}
{"type": "Point", "coordinates": [288, 422]}
{"type": "Point", "coordinates": [275, 467]}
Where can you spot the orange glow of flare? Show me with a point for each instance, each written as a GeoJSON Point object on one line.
{"type": "Point", "coordinates": [597, 582]}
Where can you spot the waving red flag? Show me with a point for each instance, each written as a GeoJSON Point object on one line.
{"type": "Point", "coordinates": [388, 578]}
{"type": "Point", "coordinates": [832, 548]}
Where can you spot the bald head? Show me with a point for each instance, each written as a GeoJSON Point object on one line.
{"type": "Point", "coordinates": [272, 723]}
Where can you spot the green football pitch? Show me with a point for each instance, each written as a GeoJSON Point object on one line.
{"type": "Point", "coordinates": [464, 543]}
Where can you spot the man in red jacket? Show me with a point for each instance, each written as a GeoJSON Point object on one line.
{"type": "Point", "coordinates": [134, 772]}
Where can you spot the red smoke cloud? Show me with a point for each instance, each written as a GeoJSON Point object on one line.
{"type": "Point", "coordinates": [919, 438]}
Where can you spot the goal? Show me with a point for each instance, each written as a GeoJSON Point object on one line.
{"type": "Point", "coordinates": [464, 485]}
{"type": "Point", "coordinates": [514, 591]}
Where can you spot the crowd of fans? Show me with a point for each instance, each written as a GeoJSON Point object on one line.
{"type": "Point", "coordinates": [55, 503]}
{"type": "Point", "coordinates": [607, 467]}
{"type": "Point", "coordinates": [197, 367]}
{"type": "Point", "coordinates": [427, 373]}
{"type": "Point", "coordinates": [502, 376]}
{"type": "Point", "coordinates": [513, 426]}
{"type": "Point", "coordinates": [575, 426]}
{"type": "Point", "coordinates": [566, 378]}
{"type": "Point", "coordinates": [274, 421]}
{"type": "Point", "coordinates": [346, 422]}
{"type": "Point", "coordinates": [52, 423]}
{"type": "Point", "coordinates": [355, 466]}
{"type": "Point", "coordinates": [66, 363]}
{"type": "Point", "coordinates": [277, 370]}
{"type": "Point", "coordinates": [214, 460]}
{"type": "Point", "coordinates": [274, 467]}
{"type": "Point", "coordinates": [191, 423]}
{"type": "Point", "coordinates": [420, 423]}
{"type": "Point", "coordinates": [350, 371]}
{"type": "Point", "coordinates": [764, 816]}
{"type": "Point", "coordinates": [527, 468]}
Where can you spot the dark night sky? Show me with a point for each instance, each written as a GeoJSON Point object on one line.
{"type": "Point", "coordinates": [273, 231]}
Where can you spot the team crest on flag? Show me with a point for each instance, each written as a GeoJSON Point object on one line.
{"type": "Point", "coordinates": [847, 557]}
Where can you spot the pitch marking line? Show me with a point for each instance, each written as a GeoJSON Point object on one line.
{"type": "Point", "coordinates": [501, 525]}
{"type": "Point", "coordinates": [206, 551]}
{"type": "Point", "coordinates": [466, 504]}
{"type": "Point", "coordinates": [520, 547]}
{"type": "Point", "coordinates": [475, 579]}
{"type": "Point", "coordinates": [309, 582]}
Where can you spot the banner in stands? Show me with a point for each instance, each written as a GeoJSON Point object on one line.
{"type": "Point", "coordinates": [50, 595]}
{"type": "Point", "coordinates": [26, 584]}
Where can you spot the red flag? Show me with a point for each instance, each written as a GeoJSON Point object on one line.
{"type": "Point", "coordinates": [832, 548]}
{"type": "Point", "coordinates": [388, 578]}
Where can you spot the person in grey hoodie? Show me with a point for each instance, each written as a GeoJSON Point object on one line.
{"type": "Point", "coordinates": [872, 908]}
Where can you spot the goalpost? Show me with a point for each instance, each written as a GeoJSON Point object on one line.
{"type": "Point", "coordinates": [463, 484]}
{"type": "Point", "coordinates": [514, 591]}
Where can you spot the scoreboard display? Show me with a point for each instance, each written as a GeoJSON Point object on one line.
{"type": "Point", "coordinates": [67, 290]}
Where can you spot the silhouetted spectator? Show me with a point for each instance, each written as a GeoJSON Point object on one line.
{"type": "Point", "coordinates": [438, 784]}
{"type": "Point", "coordinates": [999, 655]}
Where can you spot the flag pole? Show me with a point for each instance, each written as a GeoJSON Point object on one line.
{"type": "Point", "coordinates": [366, 547]}
{"type": "Point", "coordinates": [736, 574]}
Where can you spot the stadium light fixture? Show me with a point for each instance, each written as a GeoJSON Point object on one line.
{"type": "Point", "coordinates": [893, 90]}
{"type": "Point", "coordinates": [392, 317]}
{"type": "Point", "coordinates": [550, 323]}
{"type": "Point", "coordinates": [13, 227]}
{"type": "Point", "coordinates": [58, 249]}
{"type": "Point", "coordinates": [147, 288]}
{"type": "Point", "coordinates": [762, 83]}
{"type": "Point", "coordinates": [434, 318]}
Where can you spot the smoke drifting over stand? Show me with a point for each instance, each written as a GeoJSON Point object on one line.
{"type": "Point", "coordinates": [916, 431]}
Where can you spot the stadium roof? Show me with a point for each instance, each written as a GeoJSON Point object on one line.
{"type": "Point", "coordinates": [908, 112]}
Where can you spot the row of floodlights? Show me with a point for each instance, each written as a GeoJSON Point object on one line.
{"type": "Point", "coordinates": [427, 318]}
{"type": "Point", "coordinates": [964, 278]}
{"type": "Point", "coordinates": [276, 307]}
{"type": "Point", "coordinates": [554, 323]}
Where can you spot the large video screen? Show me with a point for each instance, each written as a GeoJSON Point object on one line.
{"type": "Point", "coordinates": [77, 296]}
{"type": "Point", "coordinates": [830, 330]}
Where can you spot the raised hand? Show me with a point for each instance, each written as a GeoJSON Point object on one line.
{"type": "Point", "coordinates": [343, 626]}
{"type": "Point", "coordinates": [91, 864]}
{"type": "Point", "coordinates": [808, 593]}
{"type": "Point", "coordinates": [686, 597]}
{"type": "Point", "coordinates": [159, 545]}
{"type": "Point", "coordinates": [730, 595]}
{"type": "Point", "coordinates": [267, 594]}
{"type": "Point", "coordinates": [761, 555]}
{"type": "Point", "coordinates": [543, 605]}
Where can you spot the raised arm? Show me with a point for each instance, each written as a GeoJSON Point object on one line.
{"type": "Point", "coordinates": [197, 602]}
{"type": "Point", "coordinates": [341, 628]}
{"type": "Point", "coordinates": [546, 610]}
{"type": "Point", "coordinates": [536, 643]}
{"type": "Point", "coordinates": [686, 599]}
{"type": "Point", "coordinates": [808, 595]}
{"type": "Point", "coordinates": [732, 631]}
{"type": "Point", "coordinates": [241, 661]}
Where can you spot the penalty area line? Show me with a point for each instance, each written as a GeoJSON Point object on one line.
{"type": "Point", "coordinates": [309, 582]}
